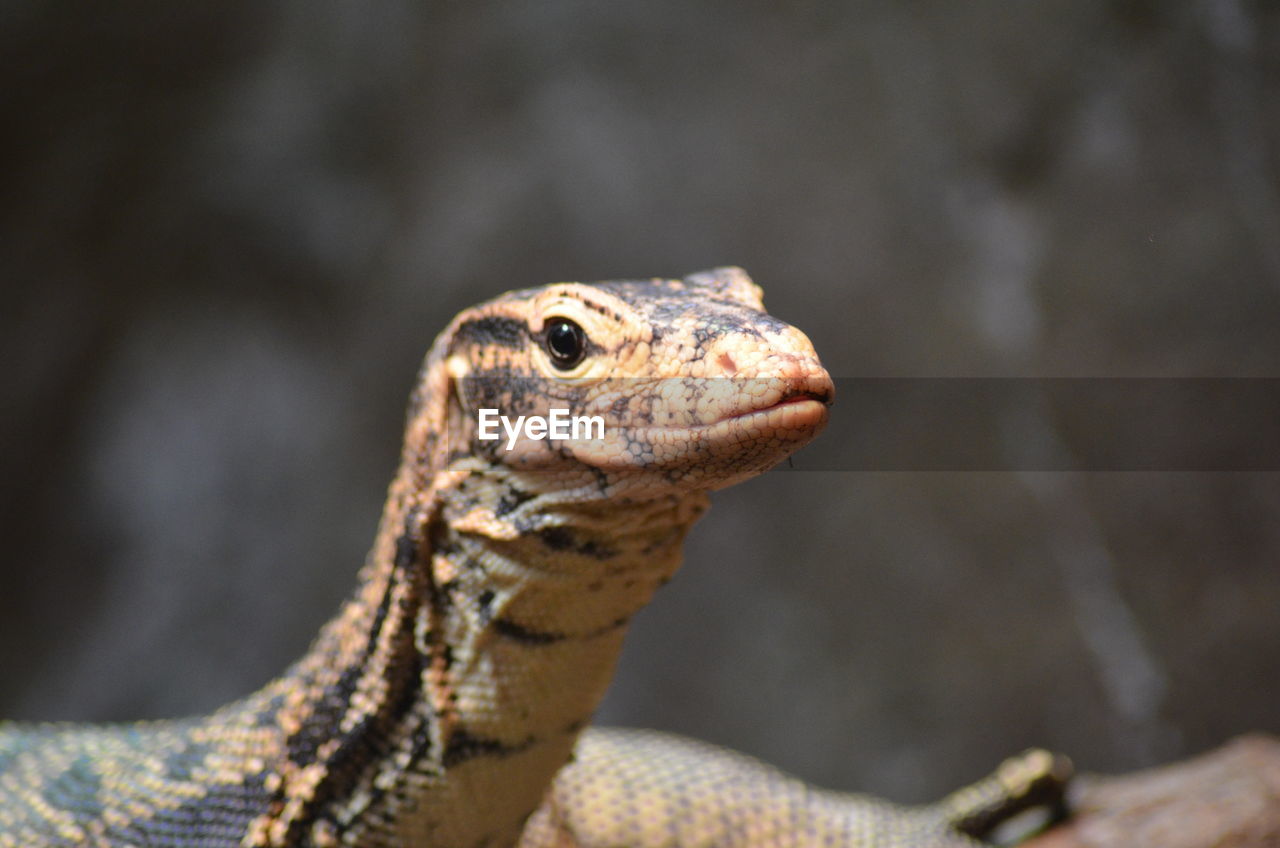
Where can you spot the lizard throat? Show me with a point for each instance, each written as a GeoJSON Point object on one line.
{"type": "Point", "coordinates": [505, 630]}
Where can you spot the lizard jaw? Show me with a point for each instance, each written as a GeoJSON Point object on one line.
{"type": "Point", "coordinates": [758, 429]}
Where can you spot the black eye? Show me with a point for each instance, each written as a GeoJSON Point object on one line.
{"type": "Point", "coordinates": [566, 343]}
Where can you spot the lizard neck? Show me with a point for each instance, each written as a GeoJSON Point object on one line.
{"type": "Point", "coordinates": [440, 701]}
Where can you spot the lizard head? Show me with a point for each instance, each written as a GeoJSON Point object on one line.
{"type": "Point", "coordinates": [659, 385]}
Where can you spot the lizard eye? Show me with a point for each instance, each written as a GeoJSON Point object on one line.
{"type": "Point", "coordinates": [566, 343]}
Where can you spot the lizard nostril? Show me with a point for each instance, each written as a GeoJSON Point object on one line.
{"type": "Point", "coordinates": [726, 362]}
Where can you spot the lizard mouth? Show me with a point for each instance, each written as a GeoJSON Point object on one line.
{"type": "Point", "coordinates": [802, 397]}
{"type": "Point", "coordinates": [759, 423]}
{"type": "Point", "coordinates": [798, 401]}
{"type": "Point", "coordinates": [775, 416]}
{"type": "Point", "coordinates": [797, 412]}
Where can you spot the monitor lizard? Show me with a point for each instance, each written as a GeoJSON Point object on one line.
{"type": "Point", "coordinates": [437, 707]}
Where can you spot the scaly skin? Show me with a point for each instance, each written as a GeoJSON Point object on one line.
{"type": "Point", "coordinates": [643, 789]}
{"type": "Point", "coordinates": [437, 706]}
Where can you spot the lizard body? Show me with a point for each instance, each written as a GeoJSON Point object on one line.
{"type": "Point", "coordinates": [439, 703]}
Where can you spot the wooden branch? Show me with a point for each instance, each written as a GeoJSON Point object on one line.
{"type": "Point", "coordinates": [1227, 798]}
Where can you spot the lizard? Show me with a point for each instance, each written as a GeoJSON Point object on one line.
{"type": "Point", "coordinates": [441, 704]}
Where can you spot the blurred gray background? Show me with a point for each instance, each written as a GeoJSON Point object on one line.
{"type": "Point", "coordinates": [231, 230]}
